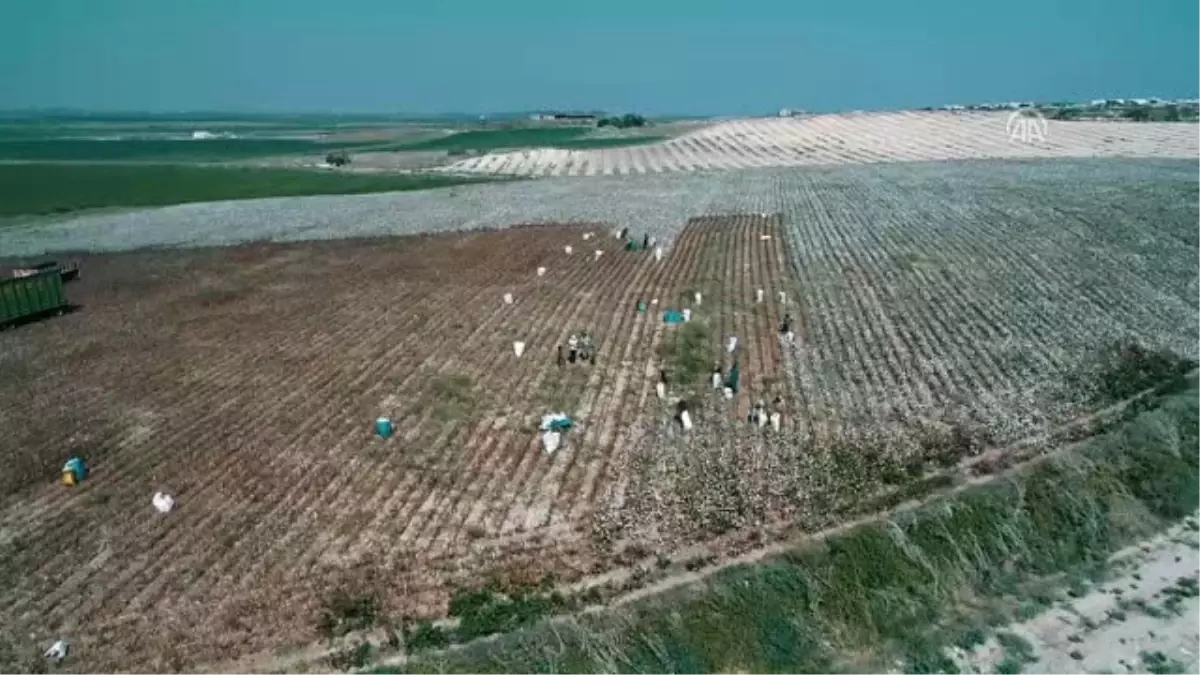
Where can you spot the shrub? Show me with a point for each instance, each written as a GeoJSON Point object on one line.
{"type": "Point", "coordinates": [1131, 368]}
{"type": "Point", "coordinates": [623, 122]}
{"type": "Point", "coordinates": [485, 611]}
{"type": "Point", "coordinates": [345, 613]}
{"type": "Point", "coordinates": [426, 636]}
{"type": "Point", "coordinates": [337, 158]}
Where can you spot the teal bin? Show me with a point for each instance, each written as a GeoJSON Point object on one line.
{"type": "Point", "coordinates": [383, 427]}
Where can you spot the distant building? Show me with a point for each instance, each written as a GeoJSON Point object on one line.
{"type": "Point", "coordinates": [565, 118]}
{"type": "Point", "coordinates": [576, 118]}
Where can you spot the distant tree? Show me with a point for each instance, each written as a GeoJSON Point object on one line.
{"type": "Point", "coordinates": [631, 120]}
{"type": "Point", "coordinates": [623, 122]}
{"type": "Point", "coordinates": [1139, 113]}
{"type": "Point", "coordinates": [337, 158]}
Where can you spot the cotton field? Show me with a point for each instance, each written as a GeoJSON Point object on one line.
{"type": "Point", "coordinates": [854, 138]}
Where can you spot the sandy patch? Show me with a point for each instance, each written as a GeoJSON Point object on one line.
{"type": "Point", "coordinates": [1142, 619]}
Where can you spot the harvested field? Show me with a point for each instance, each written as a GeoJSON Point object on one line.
{"type": "Point", "coordinates": [850, 138]}
{"type": "Point", "coordinates": [939, 310]}
{"type": "Point", "coordinates": [245, 383]}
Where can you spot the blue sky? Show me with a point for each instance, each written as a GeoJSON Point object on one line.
{"type": "Point", "coordinates": [656, 57]}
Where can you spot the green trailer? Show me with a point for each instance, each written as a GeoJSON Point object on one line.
{"type": "Point", "coordinates": [30, 297]}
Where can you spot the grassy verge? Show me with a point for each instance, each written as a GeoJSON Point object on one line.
{"type": "Point", "coordinates": [42, 189]}
{"type": "Point", "coordinates": [565, 138]}
{"type": "Point", "coordinates": [607, 142]}
{"type": "Point", "coordinates": [45, 150]}
{"type": "Point", "coordinates": [891, 595]}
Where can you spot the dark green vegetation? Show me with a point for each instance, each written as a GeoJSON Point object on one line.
{"type": "Point", "coordinates": [337, 158]}
{"type": "Point", "coordinates": [1160, 664]}
{"type": "Point", "coordinates": [1165, 113]}
{"type": "Point", "coordinates": [894, 590]}
{"type": "Point", "coordinates": [346, 613]}
{"type": "Point", "coordinates": [600, 142]}
{"type": "Point", "coordinates": [62, 188]}
{"type": "Point", "coordinates": [1134, 113]}
{"type": "Point", "coordinates": [496, 608]}
{"type": "Point", "coordinates": [623, 122]}
{"type": "Point", "coordinates": [482, 140]}
{"type": "Point", "coordinates": [689, 356]}
{"type": "Point", "coordinates": [44, 150]}
{"type": "Point", "coordinates": [1130, 368]}
{"type": "Point", "coordinates": [495, 139]}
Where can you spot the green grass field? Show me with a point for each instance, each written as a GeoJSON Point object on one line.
{"type": "Point", "coordinates": [578, 138]}
{"type": "Point", "coordinates": [898, 591]}
{"type": "Point", "coordinates": [41, 189]}
{"type": "Point", "coordinates": [44, 149]}
{"type": "Point", "coordinates": [607, 142]}
{"type": "Point", "coordinates": [494, 139]}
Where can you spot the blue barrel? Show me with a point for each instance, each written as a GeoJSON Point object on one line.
{"type": "Point", "coordinates": [383, 427]}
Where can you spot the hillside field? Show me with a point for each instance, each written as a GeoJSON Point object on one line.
{"type": "Point", "coordinates": [851, 138]}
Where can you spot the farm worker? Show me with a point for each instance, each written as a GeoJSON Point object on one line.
{"type": "Point", "coordinates": [683, 415]}
{"type": "Point", "coordinates": [572, 349]}
{"type": "Point", "coordinates": [735, 376]}
{"type": "Point", "coordinates": [777, 413]}
{"type": "Point", "coordinates": [560, 360]}
{"type": "Point", "coordinates": [661, 387]}
{"type": "Point", "coordinates": [786, 329]}
{"type": "Point", "coordinates": [716, 376]}
{"type": "Point", "coordinates": [585, 346]}
{"type": "Point", "coordinates": [624, 234]}
{"type": "Point", "coordinates": [74, 471]}
{"type": "Point", "coordinates": [758, 415]}
{"type": "Point", "coordinates": [646, 242]}
{"type": "Point", "coordinates": [58, 651]}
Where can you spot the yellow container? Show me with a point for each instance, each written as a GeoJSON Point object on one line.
{"type": "Point", "coordinates": [69, 478]}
